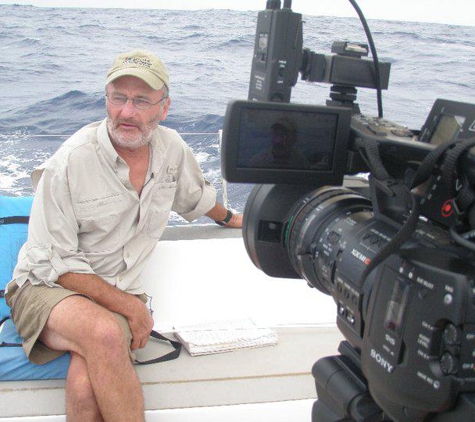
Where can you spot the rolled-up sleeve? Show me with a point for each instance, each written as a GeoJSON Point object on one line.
{"type": "Point", "coordinates": [52, 246]}
{"type": "Point", "coordinates": [195, 196]}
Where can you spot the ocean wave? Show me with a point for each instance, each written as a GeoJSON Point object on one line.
{"type": "Point", "coordinates": [90, 26]}
{"type": "Point", "coordinates": [207, 123]}
{"type": "Point", "coordinates": [243, 41]}
{"type": "Point", "coordinates": [55, 115]}
{"type": "Point", "coordinates": [156, 38]}
{"type": "Point", "coordinates": [25, 42]}
{"type": "Point", "coordinates": [18, 156]}
{"type": "Point", "coordinates": [11, 173]}
{"type": "Point", "coordinates": [194, 27]}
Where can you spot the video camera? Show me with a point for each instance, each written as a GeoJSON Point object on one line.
{"type": "Point", "coordinates": [393, 248]}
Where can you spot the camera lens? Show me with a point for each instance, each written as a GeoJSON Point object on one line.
{"type": "Point", "coordinates": [320, 228]}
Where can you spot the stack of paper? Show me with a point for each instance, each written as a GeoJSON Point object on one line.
{"type": "Point", "coordinates": [224, 336]}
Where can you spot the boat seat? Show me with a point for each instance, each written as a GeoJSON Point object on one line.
{"type": "Point", "coordinates": [261, 375]}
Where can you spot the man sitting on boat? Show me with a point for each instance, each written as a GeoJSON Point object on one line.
{"type": "Point", "coordinates": [101, 204]}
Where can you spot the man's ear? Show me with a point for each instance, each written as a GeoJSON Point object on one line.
{"type": "Point", "coordinates": [166, 105]}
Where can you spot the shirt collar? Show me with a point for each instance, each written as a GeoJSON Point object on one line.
{"type": "Point", "coordinates": [105, 144]}
{"type": "Point", "coordinates": [157, 151]}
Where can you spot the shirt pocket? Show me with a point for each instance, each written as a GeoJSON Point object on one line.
{"type": "Point", "coordinates": [162, 201]}
{"type": "Point", "coordinates": [99, 223]}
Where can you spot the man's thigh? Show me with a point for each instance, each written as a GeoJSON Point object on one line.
{"type": "Point", "coordinates": [30, 309]}
{"type": "Point", "coordinates": [54, 320]}
{"type": "Point", "coordinates": [76, 324]}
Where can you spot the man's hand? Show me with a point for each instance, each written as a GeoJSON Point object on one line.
{"type": "Point", "coordinates": [110, 297]}
{"type": "Point", "coordinates": [235, 222]}
{"type": "Point", "coordinates": [140, 323]}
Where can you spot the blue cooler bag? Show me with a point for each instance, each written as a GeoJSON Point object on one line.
{"type": "Point", "coordinates": [14, 365]}
{"type": "Point", "coordinates": [14, 216]}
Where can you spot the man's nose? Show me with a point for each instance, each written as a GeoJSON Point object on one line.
{"type": "Point", "coordinates": [128, 109]}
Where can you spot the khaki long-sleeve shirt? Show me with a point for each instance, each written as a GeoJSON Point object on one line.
{"type": "Point", "coordinates": [87, 217]}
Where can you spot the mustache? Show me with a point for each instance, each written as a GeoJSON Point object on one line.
{"type": "Point", "coordinates": [127, 122]}
{"type": "Point", "coordinates": [114, 123]}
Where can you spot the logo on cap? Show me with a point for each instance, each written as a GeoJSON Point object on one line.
{"type": "Point", "coordinates": [139, 61]}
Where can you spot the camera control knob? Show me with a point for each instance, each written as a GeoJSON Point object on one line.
{"type": "Point", "coordinates": [333, 238]}
{"type": "Point", "coordinates": [448, 363]}
{"type": "Point", "coordinates": [378, 130]}
{"type": "Point", "coordinates": [451, 335]}
{"type": "Point", "coordinates": [402, 133]}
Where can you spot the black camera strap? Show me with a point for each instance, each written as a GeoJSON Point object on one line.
{"type": "Point", "coordinates": [427, 166]}
{"type": "Point", "coordinates": [375, 163]}
{"type": "Point", "coordinates": [451, 153]}
{"type": "Point", "coordinates": [169, 356]}
{"type": "Point", "coordinates": [403, 235]}
{"type": "Point", "coordinates": [465, 197]}
{"type": "Point", "coordinates": [382, 181]}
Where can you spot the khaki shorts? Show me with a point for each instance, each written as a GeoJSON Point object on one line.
{"type": "Point", "coordinates": [30, 307]}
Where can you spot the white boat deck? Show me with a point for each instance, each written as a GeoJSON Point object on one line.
{"type": "Point", "coordinates": [271, 374]}
{"type": "Point", "coordinates": [262, 375]}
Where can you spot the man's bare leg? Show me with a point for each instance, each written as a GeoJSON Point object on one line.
{"type": "Point", "coordinates": [81, 403]}
{"type": "Point", "coordinates": [79, 325]}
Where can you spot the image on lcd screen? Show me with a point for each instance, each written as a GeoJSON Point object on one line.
{"type": "Point", "coordinates": [276, 139]}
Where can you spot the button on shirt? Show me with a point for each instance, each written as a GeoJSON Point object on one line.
{"type": "Point", "coordinates": [87, 217]}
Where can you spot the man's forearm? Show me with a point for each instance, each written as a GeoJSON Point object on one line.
{"type": "Point", "coordinates": [100, 291]}
{"type": "Point", "coordinates": [219, 214]}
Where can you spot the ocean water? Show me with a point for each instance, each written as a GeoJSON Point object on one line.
{"type": "Point", "coordinates": [53, 65]}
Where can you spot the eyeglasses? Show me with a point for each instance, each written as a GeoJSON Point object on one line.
{"type": "Point", "coordinates": [139, 103]}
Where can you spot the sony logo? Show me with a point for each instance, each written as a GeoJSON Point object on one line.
{"type": "Point", "coordinates": [383, 362]}
{"type": "Point", "coordinates": [363, 258]}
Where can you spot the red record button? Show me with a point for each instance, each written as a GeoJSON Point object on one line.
{"type": "Point", "coordinates": [447, 208]}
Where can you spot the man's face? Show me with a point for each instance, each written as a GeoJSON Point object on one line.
{"type": "Point", "coordinates": [281, 142]}
{"type": "Point", "coordinates": [129, 127]}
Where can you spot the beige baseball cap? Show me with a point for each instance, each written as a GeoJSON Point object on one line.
{"type": "Point", "coordinates": [286, 123]}
{"type": "Point", "coordinates": [141, 64]}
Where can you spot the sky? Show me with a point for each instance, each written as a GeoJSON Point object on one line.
{"type": "Point", "coordinates": [459, 12]}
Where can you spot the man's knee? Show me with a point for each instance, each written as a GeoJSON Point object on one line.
{"type": "Point", "coordinates": [80, 325]}
{"type": "Point", "coordinates": [109, 333]}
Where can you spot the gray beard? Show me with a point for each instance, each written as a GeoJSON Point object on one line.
{"type": "Point", "coordinates": [128, 141]}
